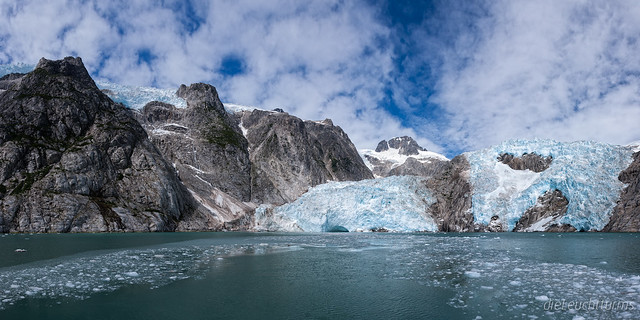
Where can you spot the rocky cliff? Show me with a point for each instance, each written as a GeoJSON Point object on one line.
{"type": "Point", "coordinates": [626, 214]}
{"type": "Point", "coordinates": [73, 160]}
{"type": "Point", "coordinates": [289, 155]}
{"type": "Point", "coordinates": [209, 153]}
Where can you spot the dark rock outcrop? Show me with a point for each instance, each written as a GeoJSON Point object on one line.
{"type": "Point", "coordinates": [528, 161]}
{"type": "Point", "coordinates": [413, 167]}
{"type": "Point", "coordinates": [72, 160]}
{"type": "Point", "coordinates": [626, 213]}
{"type": "Point", "coordinates": [209, 153]}
{"type": "Point", "coordinates": [289, 155]}
{"type": "Point", "coordinates": [405, 145]}
{"type": "Point", "coordinates": [451, 187]}
{"type": "Point", "coordinates": [549, 207]}
{"type": "Point", "coordinates": [9, 80]}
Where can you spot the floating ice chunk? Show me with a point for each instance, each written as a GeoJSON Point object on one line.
{"type": "Point", "coordinates": [542, 298]}
{"type": "Point", "coordinates": [472, 274]}
{"type": "Point", "coordinates": [132, 274]}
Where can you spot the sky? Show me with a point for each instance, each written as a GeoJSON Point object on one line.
{"type": "Point", "coordinates": [455, 75]}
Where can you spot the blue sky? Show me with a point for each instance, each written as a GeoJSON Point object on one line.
{"type": "Point", "coordinates": [456, 75]}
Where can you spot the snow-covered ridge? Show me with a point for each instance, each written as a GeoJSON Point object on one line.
{"type": "Point", "coordinates": [585, 172]}
{"type": "Point", "coordinates": [393, 156]}
{"type": "Point", "coordinates": [233, 108]}
{"type": "Point", "coordinates": [398, 203]}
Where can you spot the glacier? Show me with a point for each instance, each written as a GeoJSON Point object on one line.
{"type": "Point", "coordinates": [138, 97]}
{"type": "Point", "coordinates": [15, 68]}
{"type": "Point", "coordinates": [398, 204]}
{"type": "Point", "coordinates": [585, 172]}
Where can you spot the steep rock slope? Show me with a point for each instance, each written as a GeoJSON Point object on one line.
{"type": "Point", "coordinates": [626, 214]}
{"type": "Point", "coordinates": [289, 155]}
{"type": "Point", "coordinates": [209, 153]}
{"type": "Point", "coordinates": [402, 156]}
{"type": "Point", "coordinates": [452, 189]}
{"type": "Point", "coordinates": [73, 160]}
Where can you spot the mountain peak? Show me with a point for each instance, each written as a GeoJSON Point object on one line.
{"type": "Point", "coordinates": [69, 66]}
{"type": "Point", "coordinates": [405, 145]}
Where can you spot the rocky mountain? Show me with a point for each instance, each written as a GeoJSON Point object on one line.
{"type": "Point", "coordinates": [626, 214]}
{"type": "Point", "coordinates": [73, 160]}
{"type": "Point", "coordinates": [402, 156]}
{"type": "Point", "coordinates": [209, 153]}
{"type": "Point", "coordinates": [289, 155]}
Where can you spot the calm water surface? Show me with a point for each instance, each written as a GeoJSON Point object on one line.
{"type": "Point", "coordinates": [320, 276]}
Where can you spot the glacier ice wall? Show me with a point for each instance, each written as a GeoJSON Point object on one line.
{"type": "Point", "coordinates": [398, 203]}
{"type": "Point", "coordinates": [585, 172]}
{"type": "Point", "coordinates": [15, 68]}
{"type": "Point", "coordinates": [138, 97]}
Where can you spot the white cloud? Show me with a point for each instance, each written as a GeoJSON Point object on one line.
{"type": "Point", "coordinates": [317, 59]}
{"type": "Point", "coordinates": [554, 69]}
{"type": "Point", "coordinates": [478, 73]}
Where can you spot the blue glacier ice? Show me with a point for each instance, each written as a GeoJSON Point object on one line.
{"type": "Point", "coordinates": [131, 96]}
{"type": "Point", "coordinates": [585, 172]}
{"type": "Point", "coordinates": [397, 203]}
{"type": "Point", "coordinates": [138, 97]}
{"type": "Point", "coordinates": [15, 68]}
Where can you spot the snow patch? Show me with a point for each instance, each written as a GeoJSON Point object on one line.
{"type": "Point", "coordinates": [393, 155]}
{"type": "Point", "coordinates": [233, 108]}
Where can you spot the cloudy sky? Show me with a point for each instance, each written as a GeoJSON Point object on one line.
{"type": "Point", "coordinates": [456, 75]}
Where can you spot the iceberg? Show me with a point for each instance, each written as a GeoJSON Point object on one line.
{"type": "Point", "coordinates": [585, 172]}
{"type": "Point", "coordinates": [398, 204]}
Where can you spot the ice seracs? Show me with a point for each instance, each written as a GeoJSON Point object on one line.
{"type": "Point", "coordinates": [394, 204]}
{"type": "Point", "coordinates": [585, 172]}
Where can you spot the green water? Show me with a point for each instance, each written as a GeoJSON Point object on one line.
{"type": "Point", "coordinates": [319, 276]}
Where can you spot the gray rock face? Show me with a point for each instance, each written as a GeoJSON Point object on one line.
{"type": "Point", "coordinates": [289, 155]}
{"type": "Point", "coordinates": [8, 80]}
{"type": "Point", "coordinates": [413, 167]}
{"type": "Point", "coordinates": [451, 187]}
{"type": "Point", "coordinates": [528, 161]}
{"type": "Point", "coordinates": [382, 146]}
{"type": "Point", "coordinates": [209, 153]}
{"type": "Point", "coordinates": [72, 160]}
{"type": "Point", "coordinates": [549, 207]}
{"type": "Point", "coordinates": [405, 145]}
{"type": "Point", "coordinates": [626, 214]}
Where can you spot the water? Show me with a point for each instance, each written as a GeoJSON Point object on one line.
{"type": "Point", "coordinates": [320, 276]}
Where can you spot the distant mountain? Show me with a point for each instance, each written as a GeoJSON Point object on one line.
{"type": "Point", "coordinates": [402, 156]}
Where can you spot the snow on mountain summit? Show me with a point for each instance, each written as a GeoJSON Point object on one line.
{"type": "Point", "coordinates": [394, 153]}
